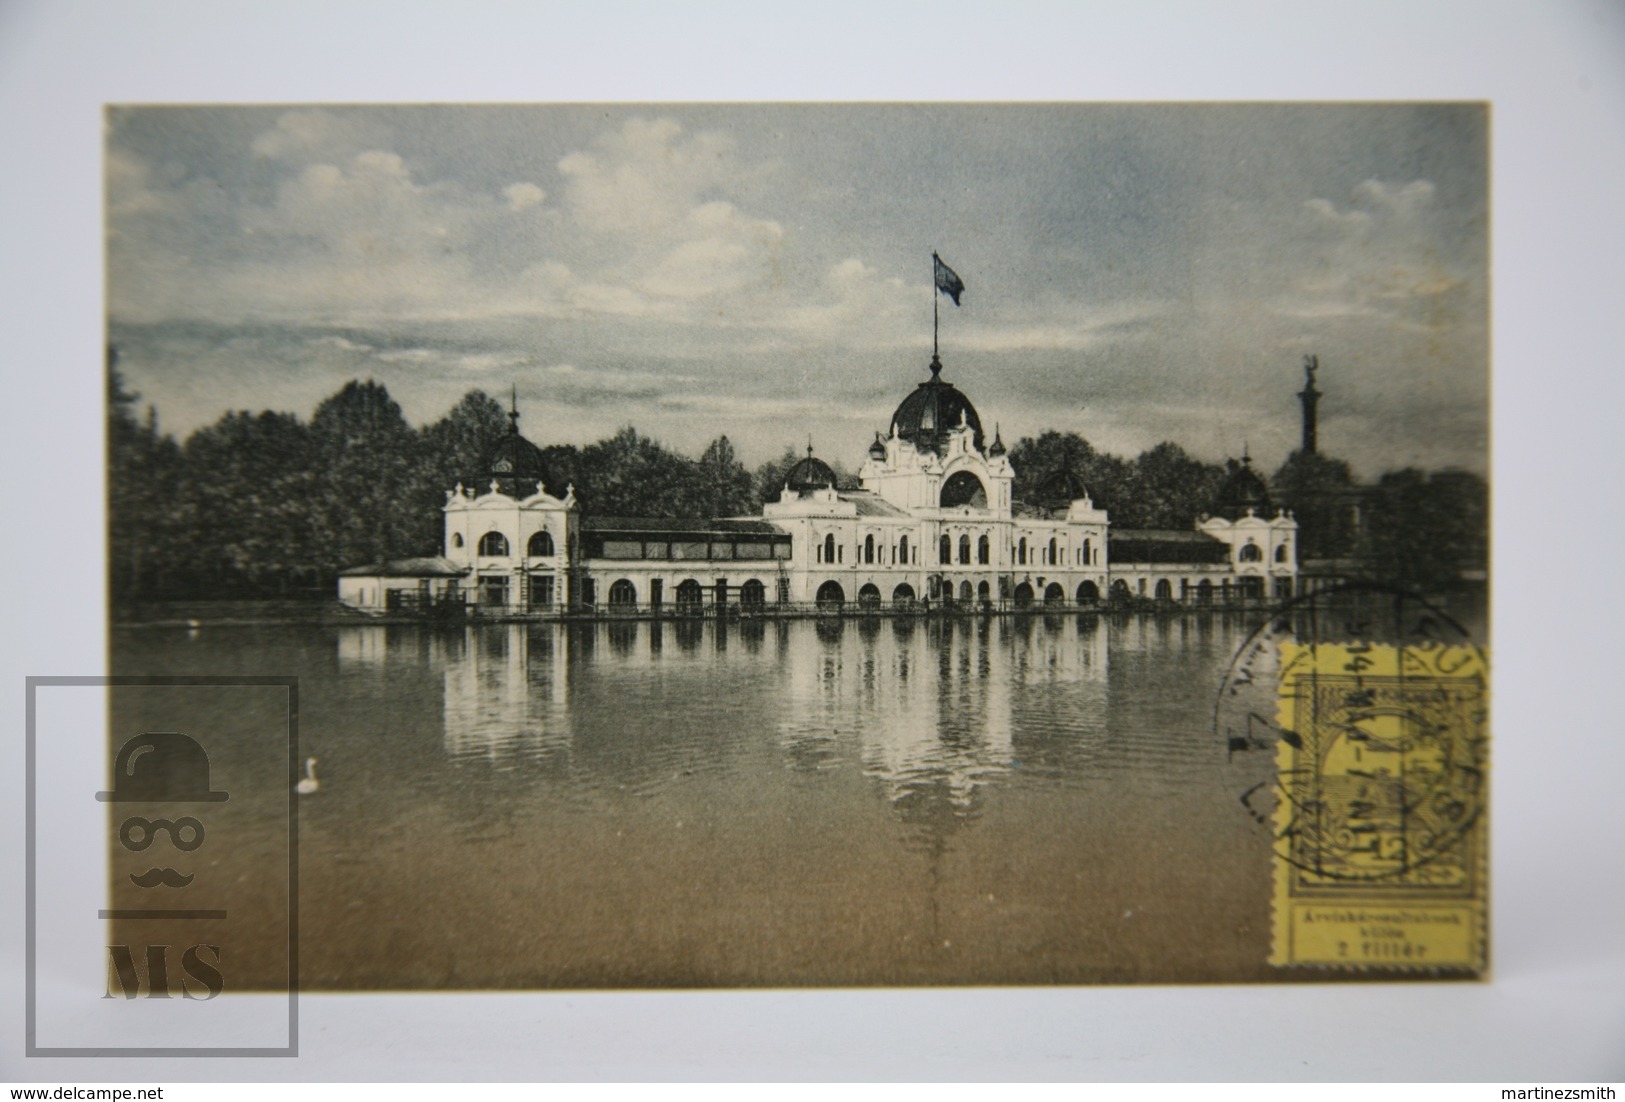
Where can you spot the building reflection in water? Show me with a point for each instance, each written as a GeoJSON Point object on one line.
{"type": "Point", "coordinates": [934, 706]}
{"type": "Point", "coordinates": [933, 712]}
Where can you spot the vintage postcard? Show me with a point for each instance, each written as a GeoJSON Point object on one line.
{"type": "Point", "coordinates": [618, 546]}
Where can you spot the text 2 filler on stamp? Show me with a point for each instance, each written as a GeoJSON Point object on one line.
{"type": "Point", "coordinates": [711, 551]}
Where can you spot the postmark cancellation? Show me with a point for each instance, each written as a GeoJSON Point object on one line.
{"type": "Point", "coordinates": [1379, 859]}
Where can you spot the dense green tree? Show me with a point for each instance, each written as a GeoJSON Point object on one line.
{"type": "Point", "coordinates": [1169, 488]}
{"type": "Point", "coordinates": [1423, 530]}
{"type": "Point", "coordinates": [1322, 495]}
{"type": "Point", "coordinates": [255, 502]}
{"type": "Point", "coordinates": [147, 521]}
{"type": "Point", "coordinates": [458, 445]}
{"type": "Point", "coordinates": [724, 483]}
{"type": "Point", "coordinates": [377, 500]}
{"type": "Point", "coordinates": [631, 475]}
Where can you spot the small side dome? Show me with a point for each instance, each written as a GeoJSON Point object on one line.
{"type": "Point", "coordinates": [877, 450]}
{"type": "Point", "coordinates": [1243, 490]}
{"type": "Point", "coordinates": [811, 473]}
{"type": "Point", "coordinates": [515, 464]}
{"type": "Point", "coordinates": [998, 444]}
{"type": "Point", "coordinates": [1061, 488]}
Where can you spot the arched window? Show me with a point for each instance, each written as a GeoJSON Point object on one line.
{"type": "Point", "coordinates": [456, 539]}
{"type": "Point", "coordinates": [829, 548]}
{"type": "Point", "coordinates": [983, 591]}
{"type": "Point", "coordinates": [541, 545]}
{"type": "Point", "coordinates": [983, 551]}
{"type": "Point", "coordinates": [830, 596]}
{"type": "Point", "coordinates": [494, 544]}
{"type": "Point", "coordinates": [945, 551]}
{"type": "Point", "coordinates": [965, 591]}
{"type": "Point", "coordinates": [1165, 590]}
{"type": "Point", "coordinates": [963, 488]}
{"type": "Point", "coordinates": [1021, 552]}
{"type": "Point", "coordinates": [902, 550]}
{"type": "Point", "coordinates": [752, 594]}
{"type": "Point", "coordinates": [623, 594]}
{"type": "Point", "coordinates": [1086, 553]}
{"type": "Point", "coordinates": [688, 594]}
{"type": "Point", "coordinates": [1250, 553]}
{"type": "Point", "coordinates": [1051, 559]}
{"type": "Point", "coordinates": [868, 549]}
{"type": "Point", "coordinates": [1281, 553]}
{"type": "Point", "coordinates": [964, 550]}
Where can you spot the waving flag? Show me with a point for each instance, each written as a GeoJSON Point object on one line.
{"type": "Point", "coordinates": [948, 281]}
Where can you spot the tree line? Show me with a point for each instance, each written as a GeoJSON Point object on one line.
{"type": "Point", "coordinates": [262, 504]}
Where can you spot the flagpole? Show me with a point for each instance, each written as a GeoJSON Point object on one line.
{"type": "Point", "coordinates": [934, 308]}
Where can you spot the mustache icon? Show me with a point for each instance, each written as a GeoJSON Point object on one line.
{"type": "Point", "coordinates": [165, 876]}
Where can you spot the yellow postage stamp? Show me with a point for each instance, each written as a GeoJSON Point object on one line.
{"type": "Point", "coordinates": [1380, 857]}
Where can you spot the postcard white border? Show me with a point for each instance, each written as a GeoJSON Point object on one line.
{"type": "Point", "coordinates": [1554, 76]}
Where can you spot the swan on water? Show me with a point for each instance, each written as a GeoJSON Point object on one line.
{"type": "Point", "coordinates": [308, 783]}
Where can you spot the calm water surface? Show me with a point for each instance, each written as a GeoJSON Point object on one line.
{"type": "Point", "coordinates": [1036, 799]}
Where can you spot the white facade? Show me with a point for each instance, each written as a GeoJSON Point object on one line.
{"type": "Point", "coordinates": [933, 523]}
{"type": "Point", "coordinates": [516, 552]}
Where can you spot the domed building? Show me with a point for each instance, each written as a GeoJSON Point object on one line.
{"type": "Point", "coordinates": [1261, 540]}
{"type": "Point", "coordinates": [931, 523]}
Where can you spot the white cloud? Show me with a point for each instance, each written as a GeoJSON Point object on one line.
{"type": "Point", "coordinates": [523, 196]}
{"type": "Point", "coordinates": [308, 133]}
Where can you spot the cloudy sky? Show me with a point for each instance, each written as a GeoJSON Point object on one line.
{"type": "Point", "coordinates": [1135, 274]}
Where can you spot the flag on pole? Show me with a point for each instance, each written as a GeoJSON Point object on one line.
{"type": "Point", "coordinates": [948, 281]}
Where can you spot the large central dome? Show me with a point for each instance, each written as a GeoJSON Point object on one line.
{"type": "Point", "coordinates": [935, 408]}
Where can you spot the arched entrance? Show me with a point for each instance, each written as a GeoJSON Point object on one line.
{"type": "Point", "coordinates": [1165, 591]}
{"type": "Point", "coordinates": [1023, 595]}
{"type": "Point", "coordinates": [868, 596]}
{"type": "Point", "coordinates": [1088, 593]}
{"type": "Point", "coordinates": [623, 595]}
{"type": "Point", "coordinates": [983, 592]}
{"type": "Point", "coordinates": [688, 596]}
{"type": "Point", "coordinates": [831, 596]}
{"type": "Point", "coordinates": [903, 595]}
{"type": "Point", "coordinates": [753, 594]}
{"type": "Point", "coordinates": [1204, 592]}
{"type": "Point", "coordinates": [1250, 589]}
{"type": "Point", "coordinates": [965, 591]}
{"type": "Point", "coordinates": [1120, 593]}
{"type": "Point", "coordinates": [1054, 594]}
{"type": "Point", "coordinates": [963, 488]}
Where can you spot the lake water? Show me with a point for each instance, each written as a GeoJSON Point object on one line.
{"type": "Point", "coordinates": [1005, 800]}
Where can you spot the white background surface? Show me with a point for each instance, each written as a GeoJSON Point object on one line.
{"type": "Point", "coordinates": [1556, 76]}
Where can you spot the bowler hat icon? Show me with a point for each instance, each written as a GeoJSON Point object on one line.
{"type": "Point", "coordinates": [161, 767]}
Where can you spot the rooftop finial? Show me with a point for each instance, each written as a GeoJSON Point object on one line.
{"type": "Point", "coordinates": [513, 409]}
{"type": "Point", "coordinates": [809, 446]}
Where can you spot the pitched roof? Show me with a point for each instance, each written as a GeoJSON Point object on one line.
{"type": "Point", "coordinates": [686, 526]}
{"type": "Point", "coordinates": [870, 504]}
{"type": "Point", "coordinates": [427, 567]}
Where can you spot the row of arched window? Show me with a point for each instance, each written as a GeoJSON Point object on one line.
{"type": "Point", "coordinates": [1052, 553]}
{"type": "Point", "coordinates": [495, 545]}
{"type": "Point", "coordinates": [945, 550]}
{"type": "Point", "coordinates": [869, 552]}
{"type": "Point", "coordinates": [1252, 553]}
{"type": "Point", "coordinates": [689, 594]}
